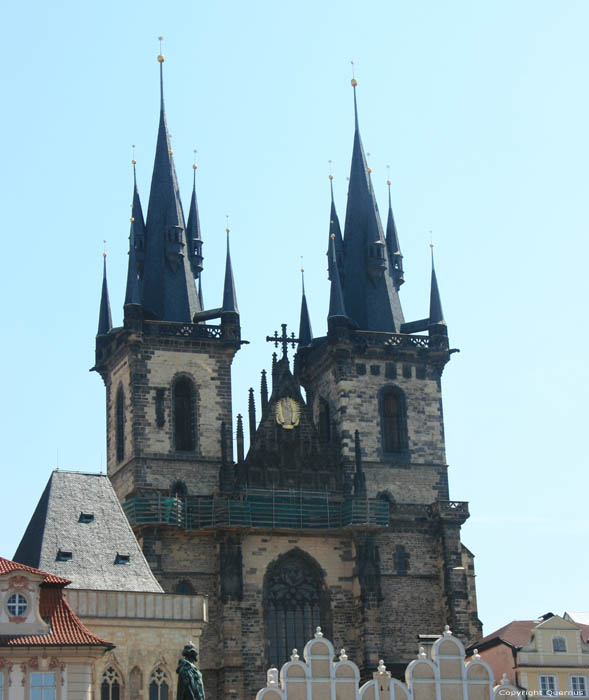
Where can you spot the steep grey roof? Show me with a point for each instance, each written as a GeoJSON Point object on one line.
{"type": "Point", "coordinates": [56, 526]}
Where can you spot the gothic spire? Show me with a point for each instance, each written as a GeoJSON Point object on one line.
{"type": "Point", "coordinates": [369, 292]}
{"type": "Point", "coordinates": [137, 224]}
{"type": "Point", "coordinates": [337, 309]}
{"type": "Point", "coordinates": [229, 296]}
{"type": "Point", "coordinates": [305, 332]}
{"type": "Point", "coordinates": [132, 294]}
{"type": "Point", "coordinates": [393, 247]}
{"type": "Point", "coordinates": [335, 229]}
{"type": "Point", "coordinates": [436, 315]}
{"type": "Point", "coordinates": [168, 289]}
{"type": "Point", "coordinates": [104, 317]}
{"type": "Point", "coordinates": [193, 232]}
{"type": "Point", "coordinates": [136, 240]}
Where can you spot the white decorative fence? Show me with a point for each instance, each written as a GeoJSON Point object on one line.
{"type": "Point", "coordinates": [446, 676]}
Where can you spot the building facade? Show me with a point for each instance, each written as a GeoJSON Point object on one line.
{"type": "Point", "coordinates": [80, 534]}
{"type": "Point", "coordinates": [548, 657]}
{"type": "Point", "coordinates": [319, 674]}
{"type": "Point", "coordinates": [339, 515]}
{"type": "Point", "coordinates": [45, 650]}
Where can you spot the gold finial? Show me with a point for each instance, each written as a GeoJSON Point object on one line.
{"type": "Point", "coordinates": [389, 175]}
{"type": "Point", "coordinates": [133, 161]}
{"type": "Point", "coordinates": [332, 236]}
{"type": "Point", "coordinates": [104, 249]}
{"type": "Point", "coordinates": [194, 165]}
{"type": "Point", "coordinates": [330, 173]}
{"type": "Point", "coordinates": [353, 81]}
{"type": "Point", "coordinates": [431, 240]}
{"type": "Point", "coordinates": [132, 219]}
{"type": "Point", "coordinates": [227, 218]}
{"type": "Point", "coordinates": [160, 57]}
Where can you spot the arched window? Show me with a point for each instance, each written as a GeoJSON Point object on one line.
{"type": "Point", "coordinates": [392, 417]}
{"type": "Point", "coordinates": [184, 415]}
{"type": "Point", "coordinates": [184, 588]}
{"type": "Point", "coordinates": [295, 603]}
{"type": "Point", "coordinates": [120, 424]}
{"type": "Point", "coordinates": [179, 490]}
{"type": "Point", "coordinates": [559, 644]}
{"type": "Point", "coordinates": [159, 685]}
{"type": "Point", "coordinates": [324, 421]}
{"type": "Point", "coordinates": [110, 688]}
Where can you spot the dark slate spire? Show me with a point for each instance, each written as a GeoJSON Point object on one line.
{"type": "Point", "coordinates": [168, 287]}
{"type": "Point", "coordinates": [264, 391]}
{"type": "Point", "coordinates": [193, 232]}
{"type": "Point", "coordinates": [200, 297]}
{"type": "Point", "coordinates": [305, 332]}
{"type": "Point", "coordinates": [436, 315]}
{"type": "Point", "coordinates": [337, 309]}
{"type": "Point", "coordinates": [239, 440]}
{"type": "Point", "coordinates": [335, 229]}
{"type": "Point", "coordinates": [104, 317]}
{"type": "Point", "coordinates": [132, 294]}
{"type": "Point", "coordinates": [251, 410]}
{"type": "Point", "coordinates": [137, 225]}
{"type": "Point", "coordinates": [393, 247]}
{"type": "Point", "coordinates": [229, 296]}
{"type": "Point", "coordinates": [369, 292]}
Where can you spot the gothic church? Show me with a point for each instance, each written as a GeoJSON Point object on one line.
{"type": "Point", "coordinates": [339, 515]}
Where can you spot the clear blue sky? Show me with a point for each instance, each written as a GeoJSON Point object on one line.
{"type": "Point", "coordinates": [481, 110]}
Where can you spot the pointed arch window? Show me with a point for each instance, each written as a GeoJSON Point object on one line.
{"type": "Point", "coordinates": [295, 603]}
{"type": "Point", "coordinates": [159, 686]}
{"type": "Point", "coordinates": [184, 415]}
{"type": "Point", "coordinates": [393, 420]}
{"type": "Point", "coordinates": [120, 424]}
{"type": "Point", "coordinates": [110, 688]}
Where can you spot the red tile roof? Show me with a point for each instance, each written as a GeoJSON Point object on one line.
{"type": "Point", "coordinates": [66, 629]}
{"type": "Point", "coordinates": [6, 566]}
{"type": "Point", "coordinates": [519, 633]}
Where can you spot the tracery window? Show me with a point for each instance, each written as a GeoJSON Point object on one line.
{"type": "Point", "coordinates": [184, 415]}
{"type": "Point", "coordinates": [111, 685]}
{"type": "Point", "coordinates": [120, 425]}
{"type": "Point", "coordinates": [295, 603]}
{"type": "Point", "coordinates": [159, 685]}
{"type": "Point", "coordinates": [392, 416]}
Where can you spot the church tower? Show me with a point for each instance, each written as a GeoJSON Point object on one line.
{"type": "Point", "coordinates": [339, 514]}
{"type": "Point", "coordinates": [167, 370]}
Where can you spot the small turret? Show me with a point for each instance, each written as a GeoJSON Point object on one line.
{"type": "Point", "coordinates": [104, 316]}
{"type": "Point", "coordinates": [437, 324]}
{"type": "Point", "coordinates": [337, 317]}
{"type": "Point", "coordinates": [335, 230]}
{"type": "Point", "coordinates": [193, 236]}
{"type": "Point", "coordinates": [229, 295]}
{"type": "Point", "coordinates": [137, 224]}
{"type": "Point", "coordinates": [305, 332]}
{"type": "Point", "coordinates": [393, 247]}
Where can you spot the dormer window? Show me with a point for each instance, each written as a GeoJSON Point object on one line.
{"type": "Point", "coordinates": [123, 559]}
{"type": "Point", "coordinates": [17, 605]}
{"type": "Point", "coordinates": [63, 556]}
{"type": "Point", "coordinates": [86, 518]}
{"type": "Point", "coordinates": [559, 645]}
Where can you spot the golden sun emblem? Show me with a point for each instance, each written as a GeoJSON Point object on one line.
{"type": "Point", "coordinates": [287, 413]}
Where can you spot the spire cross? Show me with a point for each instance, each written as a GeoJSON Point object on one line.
{"type": "Point", "coordinates": [283, 339]}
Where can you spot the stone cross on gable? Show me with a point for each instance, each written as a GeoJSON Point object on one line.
{"type": "Point", "coordinates": [283, 339]}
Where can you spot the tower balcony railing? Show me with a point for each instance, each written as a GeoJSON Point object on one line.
{"type": "Point", "coordinates": [267, 509]}
{"type": "Point", "coordinates": [166, 329]}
